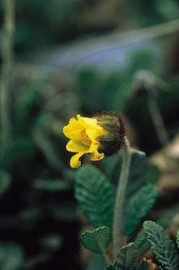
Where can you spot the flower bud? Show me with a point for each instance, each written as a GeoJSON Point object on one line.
{"type": "Point", "coordinates": [112, 141]}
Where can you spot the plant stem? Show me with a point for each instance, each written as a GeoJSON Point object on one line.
{"type": "Point", "coordinates": [120, 197]}
{"type": "Point", "coordinates": [157, 120]}
{"type": "Point", "coordinates": [7, 60]}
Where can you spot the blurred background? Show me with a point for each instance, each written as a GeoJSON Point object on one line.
{"type": "Point", "coordinates": [59, 58]}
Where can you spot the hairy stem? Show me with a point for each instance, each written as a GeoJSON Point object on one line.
{"type": "Point", "coordinates": [7, 60]}
{"type": "Point", "coordinates": [158, 121]}
{"type": "Point", "coordinates": [120, 197]}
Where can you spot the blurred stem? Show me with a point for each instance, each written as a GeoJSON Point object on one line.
{"type": "Point", "coordinates": [120, 197]}
{"type": "Point", "coordinates": [7, 61]}
{"type": "Point", "coordinates": [157, 120]}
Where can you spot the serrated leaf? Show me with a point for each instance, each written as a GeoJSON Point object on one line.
{"type": "Point", "coordinates": [95, 195]}
{"type": "Point", "coordinates": [5, 180]}
{"type": "Point", "coordinates": [178, 239]}
{"type": "Point", "coordinates": [128, 257]}
{"type": "Point", "coordinates": [162, 246]}
{"type": "Point", "coordinates": [142, 244]}
{"type": "Point", "coordinates": [138, 207]}
{"type": "Point", "coordinates": [96, 240]}
{"type": "Point", "coordinates": [142, 171]}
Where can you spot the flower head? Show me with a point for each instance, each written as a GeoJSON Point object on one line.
{"type": "Point", "coordinates": [94, 136]}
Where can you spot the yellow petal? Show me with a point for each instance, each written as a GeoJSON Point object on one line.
{"type": "Point", "coordinates": [93, 147]}
{"type": "Point", "coordinates": [73, 129]}
{"type": "Point", "coordinates": [94, 133]}
{"type": "Point", "coordinates": [83, 133]}
{"type": "Point", "coordinates": [74, 161]}
{"type": "Point", "coordinates": [87, 122]}
{"type": "Point", "coordinates": [76, 146]}
{"type": "Point", "coordinates": [95, 156]}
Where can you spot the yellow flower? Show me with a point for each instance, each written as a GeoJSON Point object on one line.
{"type": "Point", "coordinates": [84, 134]}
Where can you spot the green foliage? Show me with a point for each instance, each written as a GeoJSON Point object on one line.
{"type": "Point", "coordinates": [21, 150]}
{"type": "Point", "coordinates": [36, 201]}
{"type": "Point", "coordinates": [26, 105]}
{"type": "Point", "coordinates": [94, 85]}
{"type": "Point", "coordinates": [11, 257]}
{"type": "Point", "coordinates": [138, 207]}
{"type": "Point", "coordinates": [128, 257]}
{"type": "Point", "coordinates": [162, 246]}
{"type": "Point", "coordinates": [96, 240]}
{"type": "Point", "coordinates": [143, 266]}
{"type": "Point", "coordinates": [142, 243]}
{"type": "Point", "coordinates": [51, 185]}
{"type": "Point", "coordinates": [5, 180]}
{"type": "Point", "coordinates": [178, 239]}
{"type": "Point", "coordinates": [167, 215]}
{"type": "Point", "coordinates": [142, 171]}
{"type": "Point", "coordinates": [95, 195]}
{"type": "Point", "coordinates": [112, 266]}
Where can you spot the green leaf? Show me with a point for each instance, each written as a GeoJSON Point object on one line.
{"type": "Point", "coordinates": [138, 207]}
{"type": "Point", "coordinates": [128, 257]}
{"type": "Point", "coordinates": [178, 239]}
{"type": "Point", "coordinates": [142, 243]}
{"type": "Point", "coordinates": [5, 180]}
{"type": "Point", "coordinates": [162, 246]}
{"type": "Point", "coordinates": [96, 240]}
{"type": "Point", "coordinates": [142, 171]}
{"type": "Point", "coordinates": [95, 195]}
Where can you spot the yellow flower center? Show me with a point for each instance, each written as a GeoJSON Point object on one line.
{"type": "Point", "coordinates": [85, 139]}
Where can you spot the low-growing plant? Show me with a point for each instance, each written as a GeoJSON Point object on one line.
{"type": "Point", "coordinates": [117, 196]}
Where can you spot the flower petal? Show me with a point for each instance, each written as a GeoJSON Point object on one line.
{"type": "Point", "coordinates": [87, 122]}
{"type": "Point", "coordinates": [76, 146]}
{"type": "Point", "coordinates": [95, 156]}
{"type": "Point", "coordinates": [74, 161]}
{"type": "Point", "coordinates": [73, 129]}
{"type": "Point", "coordinates": [83, 133]}
{"type": "Point", "coordinates": [93, 147]}
{"type": "Point", "coordinates": [94, 133]}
